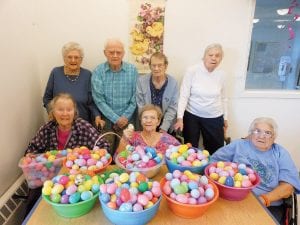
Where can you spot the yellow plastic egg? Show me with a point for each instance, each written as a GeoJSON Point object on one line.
{"type": "Point", "coordinates": [70, 182]}
{"type": "Point", "coordinates": [57, 188]}
{"type": "Point", "coordinates": [51, 158]}
{"type": "Point", "coordinates": [238, 177]}
{"type": "Point", "coordinates": [124, 177]}
{"type": "Point", "coordinates": [118, 183]}
{"type": "Point", "coordinates": [134, 184]}
{"type": "Point", "coordinates": [75, 167]}
{"type": "Point", "coordinates": [95, 156]}
{"type": "Point", "coordinates": [197, 163]}
{"type": "Point", "coordinates": [205, 152]}
{"type": "Point", "coordinates": [81, 188]}
{"type": "Point", "coordinates": [174, 155]}
{"type": "Point", "coordinates": [187, 173]}
{"type": "Point", "coordinates": [150, 184]}
{"type": "Point", "coordinates": [48, 183]}
{"type": "Point", "coordinates": [149, 205]}
{"type": "Point", "coordinates": [238, 184]}
{"type": "Point", "coordinates": [46, 190]}
{"type": "Point", "coordinates": [214, 176]}
{"type": "Point", "coordinates": [95, 180]}
{"type": "Point", "coordinates": [222, 180]}
{"type": "Point", "coordinates": [227, 168]}
{"type": "Point", "coordinates": [220, 164]}
{"type": "Point", "coordinates": [113, 198]}
{"type": "Point", "coordinates": [88, 184]}
{"type": "Point", "coordinates": [183, 148]}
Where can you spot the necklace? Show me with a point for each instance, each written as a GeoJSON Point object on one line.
{"type": "Point", "coordinates": [72, 78]}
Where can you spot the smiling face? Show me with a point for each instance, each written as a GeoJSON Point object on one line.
{"type": "Point", "coordinates": [114, 52]}
{"type": "Point", "coordinates": [212, 59]}
{"type": "Point", "coordinates": [73, 60]}
{"type": "Point", "coordinates": [64, 113]}
{"type": "Point", "coordinates": [150, 120]}
{"type": "Point", "coordinates": [262, 136]}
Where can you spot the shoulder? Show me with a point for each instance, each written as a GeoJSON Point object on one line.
{"type": "Point", "coordinates": [57, 70]}
{"type": "Point", "coordinates": [100, 67]}
{"type": "Point", "coordinates": [169, 139]}
{"type": "Point", "coordinates": [280, 151]}
{"type": "Point", "coordinates": [82, 124]}
{"type": "Point", "coordinates": [47, 127]}
{"type": "Point", "coordinates": [129, 68]}
{"type": "Point", "coordinates": [143, 78]}
{"type": "Point", "coordinates": [85, 71]}
{"type": "Point", "coordinates": [171, 80]}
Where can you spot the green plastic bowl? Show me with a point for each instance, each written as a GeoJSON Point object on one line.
{"type": "Point", "coordinates": [72, 210]}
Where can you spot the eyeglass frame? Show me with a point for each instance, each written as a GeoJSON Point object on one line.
{"type": "Point", "coordinates": [258, 132]}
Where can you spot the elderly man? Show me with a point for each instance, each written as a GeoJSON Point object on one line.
{"type": "Point", "coordinates": [114, 87]}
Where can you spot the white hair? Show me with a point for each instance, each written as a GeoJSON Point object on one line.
{"type": "Point", "coordinates": [70, 46]}
{"type": "Point", "coordinates": [266, 120]}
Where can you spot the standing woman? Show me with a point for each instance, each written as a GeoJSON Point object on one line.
{"type": "Point", "coordinates": [160, 89]}
{"type": "Point", "coordinates": [202, 105]}
{"type": "Point", "coordinates": [75, 80]}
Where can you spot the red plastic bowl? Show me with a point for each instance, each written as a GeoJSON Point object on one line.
{"type": "Point", "coordinates": [187, 210]}
{"type": "Point", "coordinates": [232, 193]}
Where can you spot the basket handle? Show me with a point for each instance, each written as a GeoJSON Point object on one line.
{"type": "Point", "coordinates": [103, 135]}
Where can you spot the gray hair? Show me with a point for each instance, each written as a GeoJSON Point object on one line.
{"type": "Point", "coordinates": [113, 40]}
{"type": "Point", "coordinates": [52, 103]}
{"type": "Point", "coordinates": [266, 120]}
{"type": "Point", "coordinates": [70, 46]}
{"type": "Point", "coordinates": [214, 45]}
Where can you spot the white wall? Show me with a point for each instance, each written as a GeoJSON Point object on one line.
{"type": "Point", "coordinates": [33, 34]}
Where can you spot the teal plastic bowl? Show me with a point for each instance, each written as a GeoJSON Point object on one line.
{"type": "Point", "coordinates": [194, 169]}
{"type": "Point", "coordinates": [72, 210]}
{"type": "Point", "coordinates": [130, 218]}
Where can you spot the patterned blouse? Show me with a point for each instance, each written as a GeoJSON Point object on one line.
{"type": "Point", "coordinates": [82, 134]}
{"type": "Point", "coordinates": [161, 146]}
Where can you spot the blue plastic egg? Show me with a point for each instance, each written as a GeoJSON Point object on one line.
{"type": "Point", "coordinates": [86, 195]}
{"type": "Point", "coordinates": [74, 198]}
{"type": "Point", "coordinates": [229, 181]}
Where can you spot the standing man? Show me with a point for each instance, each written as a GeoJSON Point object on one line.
{"type": "Point", "coordinates": [114, 88]}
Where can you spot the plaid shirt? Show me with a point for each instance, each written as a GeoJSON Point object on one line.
{"type": "Point", "coordinates": [114, 92]}
{"type": "Point", "coordinates": [82, 134]}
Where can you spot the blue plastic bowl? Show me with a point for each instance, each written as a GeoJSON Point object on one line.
{"type": "Point", "coordinates": [194, 169]}
{"type": "Point", "coordinates": [130, 218]}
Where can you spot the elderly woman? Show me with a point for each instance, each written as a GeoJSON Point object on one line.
{"type": "Point", "coordinates": [159, 88]}
{"type": "Point", "coordinates": [202, 105]}
{"type": "Point", "coordinates": [65, 129]}
{"type": "Point", "coordinates": [75, 80]}
{"type": "Point", "coordinates": [150, 117]}
{"type": "Point", "coordinates": [278, 173]}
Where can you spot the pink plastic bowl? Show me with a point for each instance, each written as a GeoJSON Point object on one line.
{"type": "Point", "coordinates": [232, 193]}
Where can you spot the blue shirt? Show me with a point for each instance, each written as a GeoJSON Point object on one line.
{"type": "Point", "coordinates": [80, 89]}
{"type": "Point", "coordinates": [273, 165]}
{"type": "Point", "coordinates": [114, 91]}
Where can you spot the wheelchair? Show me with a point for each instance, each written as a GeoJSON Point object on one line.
{"type": "Point", "coordinates": [291, 210]}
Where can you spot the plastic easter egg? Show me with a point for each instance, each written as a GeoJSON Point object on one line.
{"type": "Point", "coordinates": [74, 198]}
{"type": "Point", "coordinates": [63, 180]}
{"type": "Point", "coordinates": [86, 195]}
{"type": "Point", "coordinates": [252, 177]}
{"type": "Point", "coordinates": [55, 198]}
{"type": "Point", "coordinates": [125, 195]}
{"type": "Point", "coordinates": [124, 177]}
{"type": "Point", "coordinates": [222, 180]}
{"type": "Point", "coordinates": [137, 207]}
{"type": "Point", "coordinates": [126, 207]}
{"type": "Point", "coordinates": [64, 199]}
{"type": "Point", "coordinates": [214, 176]}
{"type": "Point", "coordinates": [71, 189]}
{"type": "Point", "coordinates": [202, 200]}
{"type": "Point", "coordinates": [229, 181]}
{"type": "Point", "coordinates": [209, 193]}
{"type": "Point", "coordinates": [46, 190]}
{"type": "Point", "coordinates": [143, 200]}
{"type": "Point", "coordinates": [143, 186]}
{"type": "Point", "coordinates": [182, 198]}
{"type": "Point", "coordinates": [105, 197]}
{"type": "Point", "coordinates": [195, 193]}
{"type": "Point", "coordinates": [220, 164]}
{"type": "Point", "coordinates": [246, 183]}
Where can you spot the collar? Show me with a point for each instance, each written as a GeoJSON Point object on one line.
{"type": "Point", "coordinates": [107, 67]}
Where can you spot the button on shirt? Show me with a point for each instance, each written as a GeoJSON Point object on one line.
{"type": "Point", "coordinates": [114, 91]}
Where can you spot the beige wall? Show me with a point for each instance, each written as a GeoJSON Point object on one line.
{"type": "Point", "coordinates": [33, 32]}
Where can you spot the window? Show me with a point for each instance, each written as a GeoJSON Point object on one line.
{"type": "Point", "coordinates": [274, 59]}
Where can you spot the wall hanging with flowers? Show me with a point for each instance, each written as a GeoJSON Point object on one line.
{"type": "Point", "coordinates": [146, 31]}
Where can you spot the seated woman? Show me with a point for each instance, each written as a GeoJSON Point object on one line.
{"type": "Point", "coordinates": [159, 88]}
{"type": "Point", "coordinates": [278, 173]}
{"type": "Point", "coordinates": [150, 117]}
{"type": "Point", "coordinates": [65, 129]}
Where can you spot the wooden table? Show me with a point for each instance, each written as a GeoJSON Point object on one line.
{"type": "Point", "coordinates": [246, 212]}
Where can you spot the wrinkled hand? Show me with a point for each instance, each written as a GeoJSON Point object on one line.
{"type": "Point", "coordinates": [179, 125]}
{"type": "Point", "coordinates": [128, 132]}
{"type": "Point", "coordinates": [122, 122]}
{"type": "Point", "coordinates": [99, 122]}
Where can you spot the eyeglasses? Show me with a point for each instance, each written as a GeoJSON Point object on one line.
{"type": "Point", "coordinates": [159, 66]}
{"type": "Point", "coordinates": [265, 133]}
{"type": "Point", "coordinates": [114, 53]}
{"type": "Point", "coordinates": [76, 58]}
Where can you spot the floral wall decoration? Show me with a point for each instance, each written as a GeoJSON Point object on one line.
{"type": "Point", "coordinates": [146, 31]}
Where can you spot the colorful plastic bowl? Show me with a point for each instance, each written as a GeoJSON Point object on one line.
{"type": "Point", "coordinates": [187, 210]}
{"type": "Point", "coordinates": [232, 193]}
{"type": "Point", "coordinates": [72, 210]}
{"type": "Point", "coordinates": [130, 218]}
{"type": "Point", "coordinates": [148, 172]}
{"type": "Point", "coordinates": [194, 169]}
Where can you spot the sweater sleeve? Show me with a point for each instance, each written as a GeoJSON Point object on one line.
{"type": "Point", "coordinates": [185, 91]}
{"type": "Point", "coordinates": [48, 94]}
